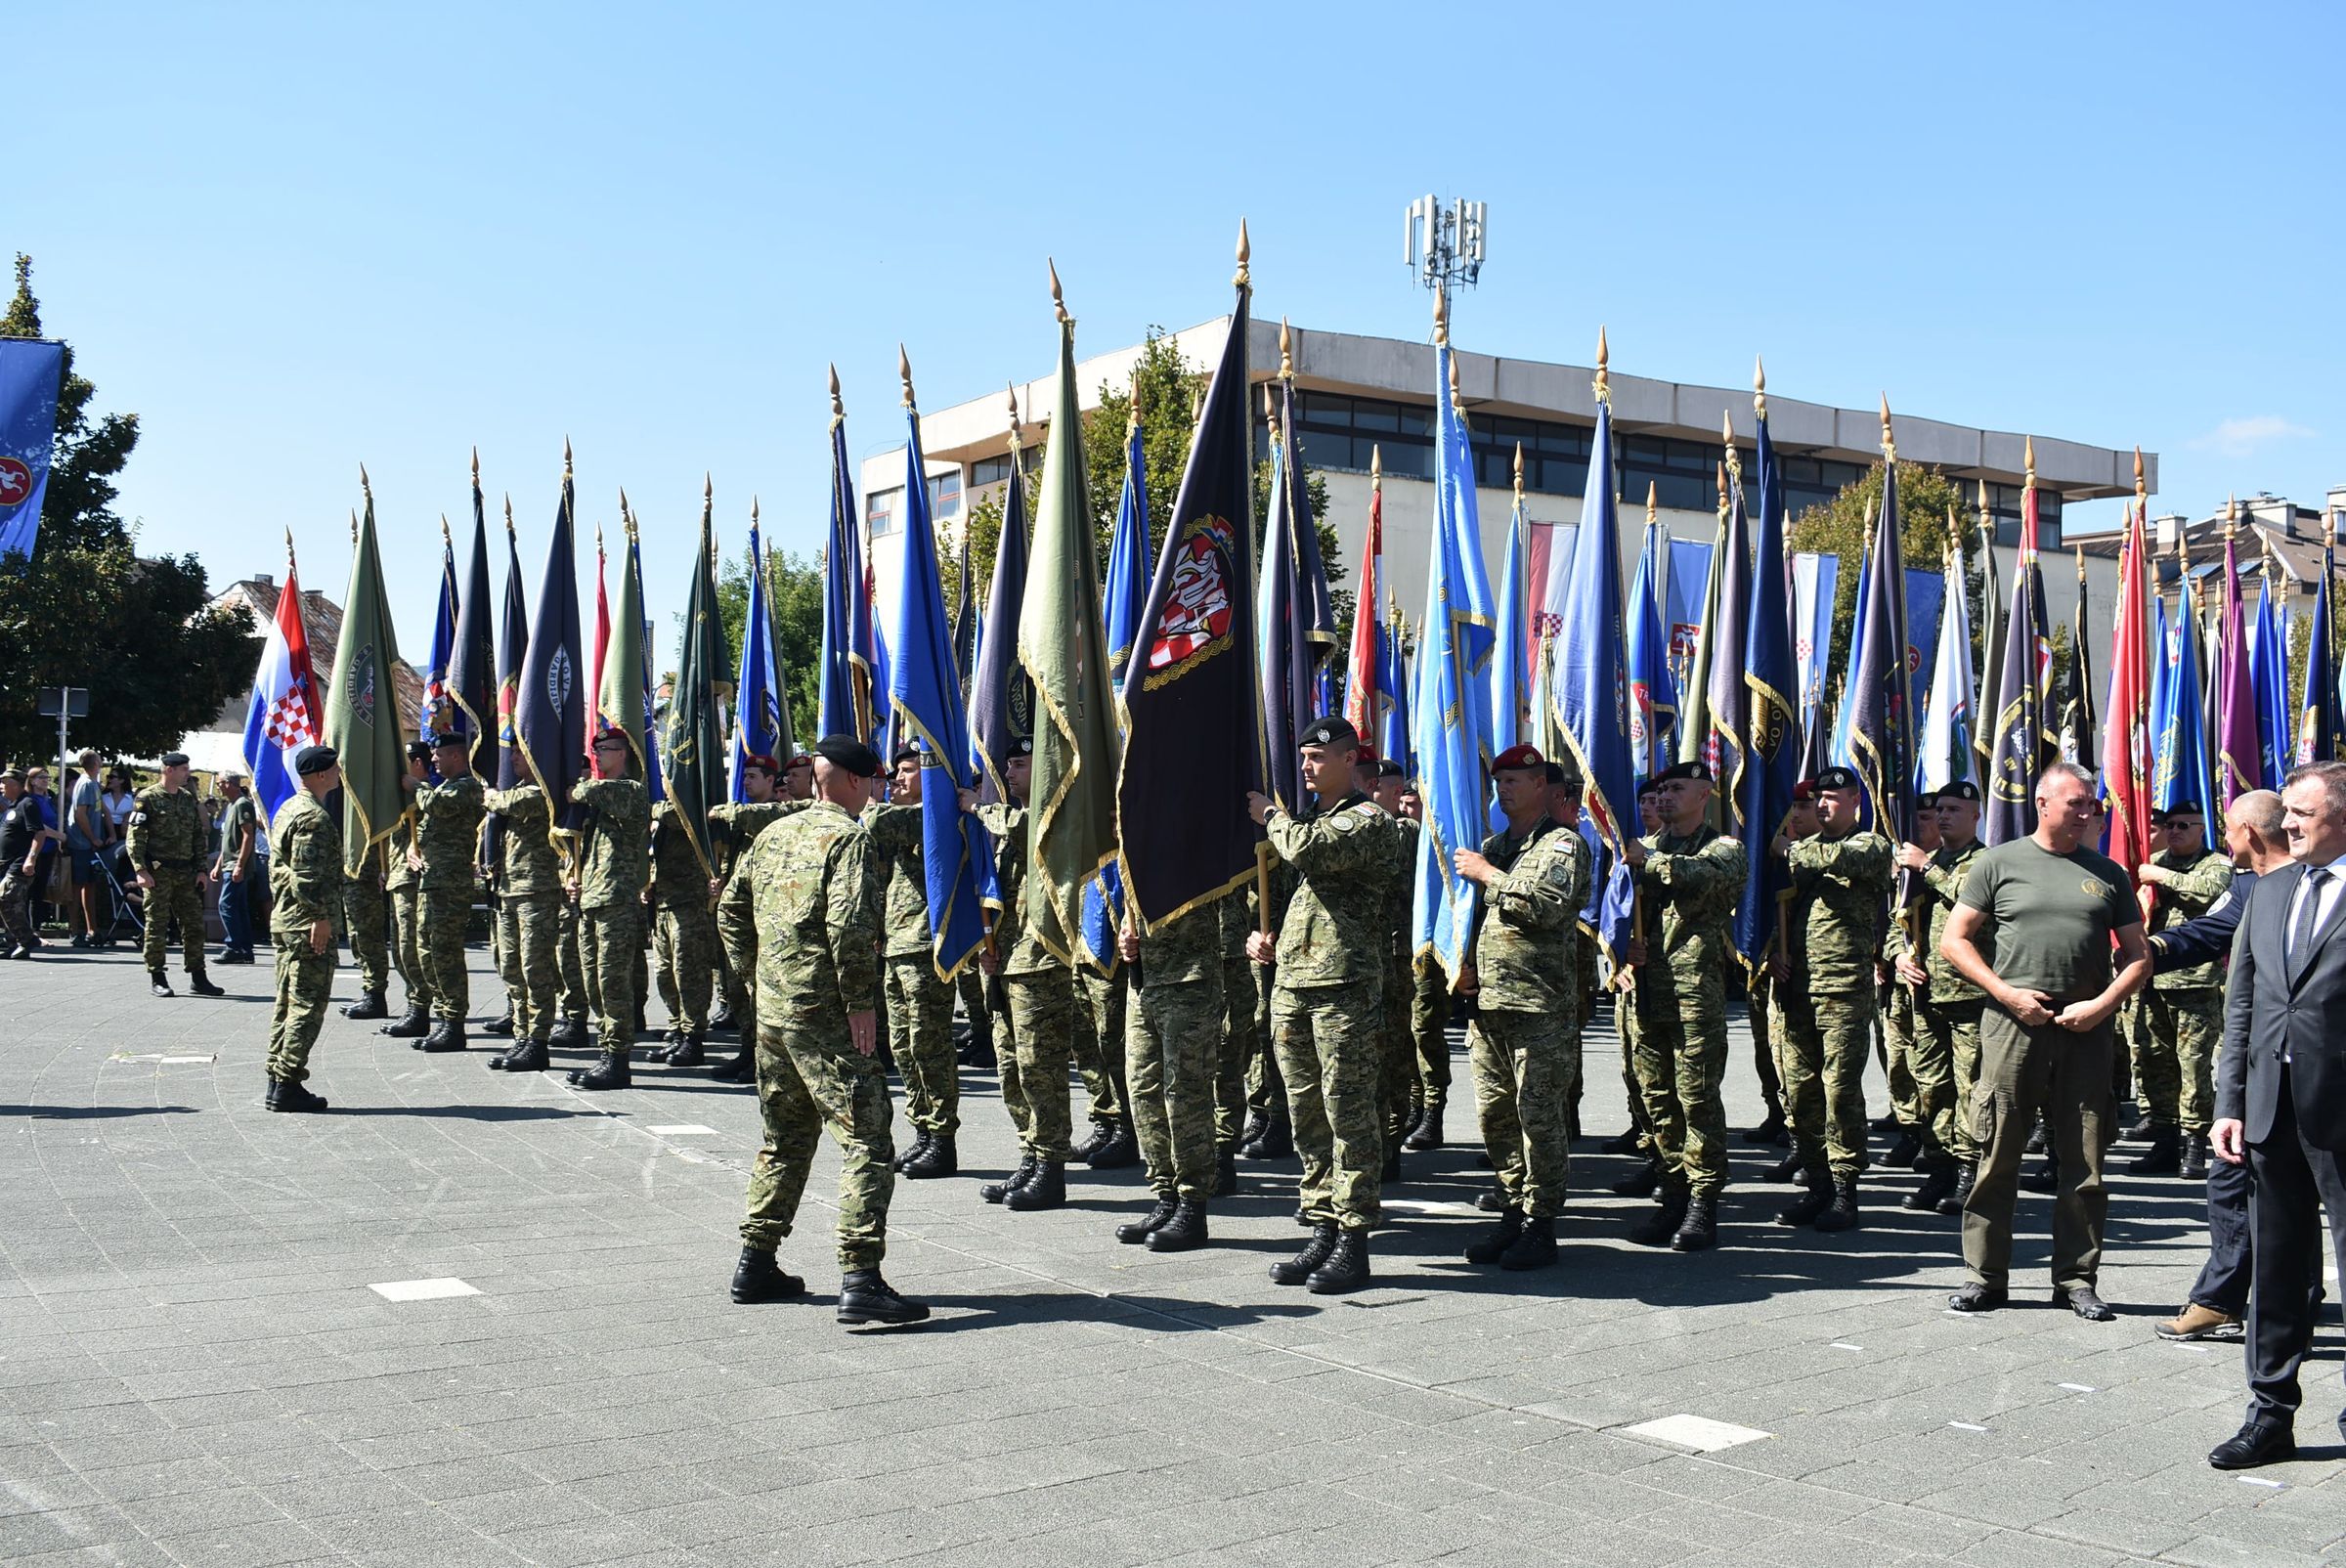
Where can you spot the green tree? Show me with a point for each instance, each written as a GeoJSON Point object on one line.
{"type": "Point", "coordinates": [1840, 527]}
{"type": "Point", "coordinates": [87, 610]}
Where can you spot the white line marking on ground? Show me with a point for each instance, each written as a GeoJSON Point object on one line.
{"type": "Point", "coordinates": [1697, 1433]}
{"type": "Point", "coordinates": [422, 1289]}
{"type": "Point", "coordinates": [1965, 1426]}
{"type": "Point", "coordinates": [682, 1129]}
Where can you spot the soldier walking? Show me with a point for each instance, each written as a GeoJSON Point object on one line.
{"type": "Point", "coordinates": [305, 888]}
{"type": "Point", "coordinates": [613, 861]}
{"type": "Point", "coordinates": [165, 840]}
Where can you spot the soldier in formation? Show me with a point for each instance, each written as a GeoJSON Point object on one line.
{"type": "Point", "coordinates": [305, 890]}
{"type": "Point", "coordinates": [529, 903]}
{"type": "Point", "coordinates": [614, 862]}
{"type": "Point", "coordinates": [403, 878]}
{"type": "Point", "coordinates": [165, 844]}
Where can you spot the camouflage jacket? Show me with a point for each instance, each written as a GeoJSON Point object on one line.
{"type": "Point", "coordinates": [1187, 947]}
{"type": "Point", "coordinates": [1238, 922]}
{"type": "Point", "coordinates": [811, 883]}
{"type": "Point", "coordinates": [679, 881]}
{"type": "Point", "coordinates": [896, 839]}
{"type": "Point", "coordinates": [525, 848]}
{"type": "Point", "coordinates": [1523, 952]}
{"type": "Point", "coordinates": [304, 866]}
{"type": "Point", "coordinates": [735, 826]}
{"type": "Point", "coordinates": [1338, 926]}
{"type": "Point", "coordinates": [448, 832]}
{"type": "Point", "coordinates": [1405, 892]}
{"type": "Point", "coordinates": [1943, 885]}
{"type": "Point", "coordinates": [165, 830]}
{"type": "Point", "coordinates": [1021, 951]}
{"type": "Point", "coordinates": [1691, 884]}
{"type": "Point", "coordinates": [1841, 892]}
{"type": "Point", "coordinates": [615, 850]}
{"type": "Point", "coordinates": [2197, 886]}
{"type": "Point", "coordinates": [399, 873]}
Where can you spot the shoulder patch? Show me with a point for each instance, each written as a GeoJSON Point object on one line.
{"type": "Point", "coordinates": [138, 818]}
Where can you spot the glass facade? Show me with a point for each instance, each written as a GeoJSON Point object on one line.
{"type": "Point", "coordinates": [2004, 505]}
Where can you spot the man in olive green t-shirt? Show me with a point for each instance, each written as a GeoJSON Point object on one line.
{"type": "Point", "coordinates": [2033, 929]}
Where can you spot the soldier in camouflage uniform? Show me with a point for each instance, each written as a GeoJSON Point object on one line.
{"type": "Point", "coordinates": [166, 845]}
{"type": "Point", "coordinates": [1273, 1134]}
{"type": "Point", "coordinates": [366, 922]}
{"type": "Point", "coordinates": [448, 841]}
{"type": "Point", "coordinates": [1690, 877]}
{"type": "Point", "coordinates": [529, 918]}
{"type": "Point", "coordinates": [1524, 1045]}
{"type": "Point", "coordinates": [2183, 1008]}
{"type": "Point", "coordinates": [1098, 1052]}
{"type": "Point", "coordinates": [570, 1027]}
{"type": "Point", "coordinates": [304, 886]}
{"type": "Point", "coordinates": [1638, 1137]}
{"type": "Point", "coordinates": [403, 881]}
{"type": "Point", "coordinates": [1325, 1019]}
{"type": "Point", "coordinates": [1947, 1010]}
{"type": "Point", "coordinates": [683, 936]}
{"type": "Point", "coordinates": [1173, 1034]}
{"type": "Point", "coordinates": [920, 1003]}
{"type": "Point", "coordinates": [1898, 1009]}
{"type": "Point", "coordinates": [614, 861]}
{"type": "Point", "coordinates": [1841, 884]}
{"type": "Point", "coordinates": [732, 829]}
{"type": "Point", "coordinates": [1233, 1128]}
{"type": "Point", "coordinates": [817, 899]}
{"type": "Point", "coordinates": [1407, 1108]}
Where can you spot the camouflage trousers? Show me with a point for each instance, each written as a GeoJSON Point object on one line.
{"type": "Point", "coordinates": [1952, 1030]}
{"type": "Point", "coordinates": [1681, 1061]}
{"type": "Point", "coordinates": [1327, 1041]}
{"type": "Point", "coordinates": [528, 932]}
{"type": "Point", "coordinates": [1825, 1047]}
{"type": "Point", "coordinates": [1098, 1040]}
{"type": "Point", "coordinates": [1929, 1061]}
{"type": "Point", "coordinates": [1266, 1091]}
{"type": "Point", "coordinates": [1429, 1018]}
{"type": "Point", "coordinates": [808, 1078]}
{"type": "Point", "coordinates": [1525, 1067]}
{"type": "Point", "coordinates": [2177, 1066]}
{"type": "Point", "coordinates": [1171, 1049]}
{"type": "Point", "coordinates": [16, 900]}
{"type": "Point", "coordinates": [1896, 1001]}
{"type": "Point", "coordinates": [408, 954]}
{"type": "Point", "coordinates": [365, 915]}
{"type": "Point", "coordinates": [1042, 1032]}
{"type": "Point", "coordinates": [684, 948]}
{"type": "Point", "coordinates": [996, 1014]}
{"type": "Point", "coordinates": [1240, 1043]}
{"type": "Point", "coordinates": [1397, 1089]}
{"type": "Point", "coordinates": [447, 913]}
{"type": "Point", "coordinates": [919, 1036]}
{"type": "Point", "coordinates": [305, 985]}
{"type": "Point", "coordinates": [1625, 1025]}
{"type": "Point", "coordinates": [737, 940]}
{"type": "Point", "coordinates": [177, 896]}
{"type": "Point", "coordinates": [575, 1003]}
{"type": "Point", "coordinates": [610, 947]}
{"type": "Point", "coordinates": [1761, 1011]}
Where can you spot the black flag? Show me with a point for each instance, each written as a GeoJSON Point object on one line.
{"type": "Point", "coordinates": [550, 709]}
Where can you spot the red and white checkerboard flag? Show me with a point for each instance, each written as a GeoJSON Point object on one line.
{"type": "Point", "coordinates": [285, 712]}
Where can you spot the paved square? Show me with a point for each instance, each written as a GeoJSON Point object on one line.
{"type": "Point", "coordinates": [196, 1365]}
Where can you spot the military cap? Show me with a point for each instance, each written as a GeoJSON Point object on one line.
{"type": "Point", "coordinates": [1518, 755]}
{"type": "Point", "coordinates": [759, 760]}
{"type": "Point", "coordinates": [175, 759]}
{"type": "Point", "coordinates": [1648, 787]}
{"type": "Point", "coordinates": [419, 751]}
{"type": "Point", "coordinates": [1386, 767]}
{"type": "Point", "coordinates": [905, 754]}
{"type": "Point", "coordinates": [1836, 778]}
{"type": "Point", "coordinates": [1693, 772]}
{"type": "Point", "coordinates": [1805, 790]}
{"type": "Point", "coordinates": [1926, 800]}
{"type": "Point", "coordinates": [313, 759]}
{"type": "Point", "coordinates": [610, 737]}
{"type": "Point", "coordinates": [1963, 789]}
{"type": "Point", "coordinates": [12, 770]}
{"type": "Point", "coordinates": [1364, 754]}
{"type": "Point", "coordinates": [2178, 809]}
{"type": "Point", "coordinates": [799, 760]}
{"type": "Point", "coordinates": [447, 738]}
{"type": "Point", "coordinates": [1330, 729]}
{"type": "Point", "coordinates": [845, 750]}
{"type": "Point", "coordinates": [1022, 745]}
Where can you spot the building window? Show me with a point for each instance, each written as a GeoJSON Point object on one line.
{"type": "Point", "coordinates": [880, 511]}
{"type": "Point", "coordinates": [2004, 505]}
{"type": "Point", "coordinates": [944, 496]}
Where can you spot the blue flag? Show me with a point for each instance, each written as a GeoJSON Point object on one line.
{"type": "Point", "coordinates": [758, 725]}
{"type": "Point", "coordinates": [1452, 733]}
{"type": "Point", "coordinates": [849, 696]}
{"type": "Point", "coordinates": [1689, 587]}
{"type": "Point", "coordinates": [1297, 622]}
{"type": "Point", "coordinates": [1394, 738]}
{"type": "Point", "coordinates": [654, 784]}
{"type": "Point", "coordinates": [31, 371]}
{"type": "Point", "coordinates": [2184, 770]}
{"type": "Point", "coordinates": [2269, 676]}
{"type": "Point", "coordinates": [1127, 596]}
{"type": "Point", "coordinates": [1879, 701]}
{"type": "Point", "coordinates": [2318, 720]}
{"type": "Point", "coordinates": [1771, 757]}
{"type": "Point", "coordinates": [439, 705]}
{"type": "Point", "coordinates": [1653, 692]}
{"type": "Point", "coordinates": [1001, 696]}
{"type": "Point", "coordinates": [550, 708]}
{"type": "Point", "coordinates": [1510, 654]}
{"type": "Point", "coordinates": [956, 856]}
{"type": "Point", "coordinates": [472, 661]}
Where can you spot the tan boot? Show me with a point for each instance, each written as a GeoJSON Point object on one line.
{"type": "Point", "coordinates": [2197, 1322]}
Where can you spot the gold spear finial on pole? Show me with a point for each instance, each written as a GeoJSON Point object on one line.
{"type": "Point", "coordinates": [2082, 568]}
{"type": "Point", "coordinates": [2140, 490]}
{"type": "Point", "coordinates": [839, 410]}
{"type": "Point", "coordinates": [476, 467]}
{"type": "Point", "coordinates": [1727, 441]}
{"type": "Point", "coordinates": [1440, 315]}
{"type": "Point", "coordinates": [1270, 412]}
{"type": "Point", "coordinates": [1890, 448]}
{"type": "Point", "coordinates": [366, 486]}
{"type": "Point", "coordinates": [1376, 467]}
{"type": "Point", "coordinates": [904, 375]}
{"type": "Point", "coordinates": [708, 496]}
{"type": "Point", "coordinates": [1722, 491]}
{"type": "Point", "coordinates": [509, 514]}
{"type": "Point", "coordinates": [566, 469]}
{"type": "Point", "coordinates": [446, 543]}
{"type": "Point", "coordinates": [1058, 301]}
{"type": "Point", "coordinates": [2028, 461]}
{"type": "Point", "coordinates": [1132, 404]}
{"type": "Point", "coordinates": [1518, 473]}
{"type": "Point", "coordinates": [2232, 514]}
{"type": "Point", "coordinates": [1759, 386]}
{"type": "Point", "coordinates": [1604, 390]}
{"type": "Point", "coordinates": [1652, 503]}
{"type": "Point", "coordinates": [354, 525]}
{"type": "Point", "coordinates": [1287, 351]}
{"type": "Point", "coordinates": [288, 541]}
{"type": "Point", "coordinates": [1954, 533]}
{"type": "Point", "coordinates": [753, 511]}
{"type": "Point", "coordinates": [1245, 250]}
{"type": "Point", "coordinates": [1456, 401]}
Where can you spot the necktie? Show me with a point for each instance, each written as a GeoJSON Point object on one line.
{"type": "Point", "coordinates": [2309, 911]}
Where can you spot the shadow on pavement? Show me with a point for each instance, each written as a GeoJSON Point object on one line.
{"type": "Point", "coordinates": [87, 1113]}
{"type": "Point", "coordinates": [474, 1113]}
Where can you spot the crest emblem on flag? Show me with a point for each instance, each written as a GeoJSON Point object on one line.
{"type": "Point", "coordinates": [361, 686]}
{"type": "Point", "coordinates": [16, 481]}
{"type": "Point", "coordinates": [558, 678]}
{"type": "Point", "coordinates": [1195, 624]}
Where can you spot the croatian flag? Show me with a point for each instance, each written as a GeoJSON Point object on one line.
{"type": "Point", "coordinates": [284, 714]}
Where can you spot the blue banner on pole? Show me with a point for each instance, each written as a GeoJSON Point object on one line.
{"type": "Point", "coordinates": [30, 371]}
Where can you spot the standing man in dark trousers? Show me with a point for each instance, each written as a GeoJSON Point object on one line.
{"type": "Point", "coordinates": [2033, 929]}
{"type": "Point", "coordinates": [2281, 1101]}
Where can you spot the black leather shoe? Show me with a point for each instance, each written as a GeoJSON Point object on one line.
{"type": "Point", "coordinates": [997, 1191]}
{"type": "Point", "coordinates": [1965, 1176]}
{"type": "Point", "coordinates": [1493, 1202]}
{"type": "Point", "coordinates": [2164, 1156]}
{"type": "Point", "coordinates": [283, 1096]}
{"type": "Point", "coordinates": [447, 1034]}
{"type": "Point", "coordinates": [1976, 1297]}
{"type": "Point", "coordinates": [759, 1279]}
{"type": "Point", "coordinates": [1804, 1209]}
{"type": "Point", "coordinates": [1132, 1233]}
{"type": "Point", "coordinates": [936, 1159]}
{"type": "Point", "coordinates": [2046, 1178]}
{"type": "Point", "coordinates": [1643, 1182]}
{"type": "Point", "coordinates": [158, 983]}
{"type": "Point", "coordinates": [369, 1004]}
{"type": "Point", "coordinates": [1661, 1228]}
{"type": "Point", "coordinates": [1903, 1150]}
{"type": "Point", "coordinates": [1767, 1134]}
{"type": "Point", "coordinates": [412, 1024]}
{"type": "Point", "coordinates": [203, 987]}
{"type": "Point", "coordinates": [501, 1027]}
{"type": "Point", "coordinates": [1299, 1268]}
{"type": "Point", "coordinates": [1226, 1173]}
{"type": "Point", "coordinates": [2083, 1300]}
{"type": "Point", "coordinates": [1345, 1268]}
{"type": "Point", "coordinates": [1699, 1231]}
{"type": "Point", "coordinates": [864, 1297]}
{"type": "Point", "coordinates": [569, 1034]}
{"type": "Point", "coordinates": [1118, 1151]}
{"type": "Point", "coordinates": [2257, 1443]}
{"type": "Point", "coordinates": [527, 1056]}
{"type": "Point", "coordinates": [1427, 1134]}
{"type": "Point", "coordinates": [2036, 1140]}
{"type": "Point", "coordinates": [688, 1053]}
{"type": "Point", "coordinates": [1535, 1248]}
{"type": "Point", "coordinates": [1183, 1231]}
{"type": "Point", "coordinates": [1840, 1213]}
{"type": "Point", "coordinates": [1494, 1242]}
{"type": "Point", "coordinates": [1045, 1187]}
{"type": "Point", "coordinates": [1787, 1169]}
{"type": "Point", "coordinates": [742, 1068]}
{"type": "Point", "coordinates": [611, 1072]}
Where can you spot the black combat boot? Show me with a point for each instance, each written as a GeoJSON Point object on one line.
{"type": "Point", "coordinates": [1427, 1134]}
{"type": "Point", "coordinates": [1118, 1151]}
{"type": "Point", "coordinates": [2139, 1132]}
{"type": "Point", "coordinates": [1767, 1134]}
{"type": "Point", "coordinates": [2194, 1159]}
{"type": "Point", "coordinates": [502, 1026]}
{"type": "Point", "coordinates": [1535, 1248]}
{"type": "Point", "coordinates": [1787, 1169]}
{"type": "Point", "coordinates": [447, 1034]}
{"type": "Point", "coordinates": [688, 1053]}
{"type": "Point", "coordinates": [1937, 1185]}
{"type": "Point", "coordinates": [527, 1056]}
{"type": "Point", "coordinates": [157, 982]}
{"type": "Point", "coordinates": [1226, 1173]}
{"type": "Point", "coordinates": [742, 1068]}
{"type": "Point", "coordinates": [1389, 1173]}
{"type": "Point", "coordinates": [1661, 1228]}
{"type": "Point", "coordinates": [369, 1004]}
{"type": "Point", "coordinates": [1494, 1242]}
{"type": "Point", "coordinates": [2046, 1178]}
{"type": "Point", "coordinates": [1299, 1268]}
{"type": "Point", "coordinates": [1965, 1175]}
{"type": "Point", "coordinates": [414, 1025]}
{"type": "Point", "coordinates": [1804, 1209]}
{"type": "Point", "coordinates": [1346, 1267]}
{"type": "Point", "coordinates": [1277, 1141]}
{"type": "Point", "coordinates": [1698, 1232]}
{"type": "Point", "coordinates": [1493, 1202]}
{"type": "Point", "coordinates": [1622, 1143]}
{"type": "Point", "coordinates": [1903, 1150]}
{"type": "Point", "coordinates": [1185, 1232]}
{"type": "Point", "coordinates": [611, 1072]}
{"type": "Point", "coordinates": [1250, 1133]}
{"type": "Point", "coordinates": [2036, 1138]}
{"type": "Point", "coordinates": [1102, 1132]}
{"type": "Point", "coordinates": [201, 985]}
{"type": "Point", "coordinates": [2164, 1156]}
{"type": "Point", "coordinates": [1047, 1187]}
{"type": "Point", "coordinates": [1643, 1182]}
{"type": "Point", "coordinates": [1132, 1233]}
{"type": "Point", "coordinates": [759, 1279]}
{"type": "Point", "coordinates": [1840, 1213]}
{"type": "Point", "coordinates": [285, 1096]}
{"type": "Point", "coordinates": [936, 1159]}
{"type": "Point", "coordinates": [918, 1146]}
{"type": "Point", "coordinates": [722, 1017]}
{"type": "Point", "coordinates": [569, 1033]}
{"type": "Point", "coordinates": [997, 1191]}
{"type": "Point", "coordinates": [864, 1297]}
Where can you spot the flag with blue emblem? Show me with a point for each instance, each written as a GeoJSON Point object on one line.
{"type": "Point", "coordinates": [513, 652]}
{"type": "Point", "coordinates": [1292, 610]}
{"type": "Point", "coordinates": [1001, 696]}
{"type": "Point", "coordinates": [760, 717]}
{"type": "Point", "coordinates": [32, 371]}
{"type": "Point", "coordinates": [1881, 687]}
{"type": "Point", "coordinates": [2240, 765]}
{"type": "Point", "coordinates": [1945, 753]}
{"type": "Point", "coordinates": [439, 715]}
{"type": "Point", "coordinates": [1126, 597]}
{"type": "Point", "coordinates": [1772, 751]}
{"type": "Point", "coordinates": [1394, 736]}
{"type": "Point", "coordinates": [549, 710]}
{"type": "Point", "coordinates": [2185, 773]}
{"type": "Point", "coordinates": [2269, 673]}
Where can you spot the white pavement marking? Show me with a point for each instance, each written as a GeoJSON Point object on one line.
{"type": "Point", "coordinates": [1843, 1344]}
{"type": "Point", "coordinates": [1965, 1426]}
{"type": "Point", "coordinates": [2258, 1480]}
{"type": "Point", "coordinates": [683, 1129]}
{"type": "Point", "coordinates": [1698, 1432]}
{"type": "Point", "coordinates": [2077, 1388]}
{"type": "Point", "coordinates": [422, 1289]}
{"type": "Point", "coordinates": [156, 1056]}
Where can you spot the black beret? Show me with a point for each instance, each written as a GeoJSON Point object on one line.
{"type": "Point", "coordinates": [1024, 746]}
{"type": "Point", "coordinates": [1386, 767]}
{"type": "Point", "coordinates": [446, 737]}
{"type": "Point", "coordinates": [1697, 772]}
{"type": "Point", "coordinates": [1926, 800]}
{"type": "Point", "coordinates": [1332, 729]}
{"type": "Point", "coordinates": [905, 754]}
{"type": "Point", "coordinates": [175, 758]}
{"type": "Point", "coordinates": [1837, 778]}
{"type": "Point", "coordinates": [1963, 789]}
{"type": "Point", "coordinates": [419, 751]}
{"type": "Point", "coordinates": [312, 760]}
{"type": "Point", "coordinates": [2179, 809]}
{"type": "Point", "coordinates": [845, 750]}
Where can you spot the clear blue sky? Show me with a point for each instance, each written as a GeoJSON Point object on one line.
{"type": "Point", "coordinates": [293, 240]}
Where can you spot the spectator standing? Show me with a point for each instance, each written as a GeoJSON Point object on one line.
{"type": "Point", "coordinates": [20, 858]}
{"type": "Point", "coordinates": [240, 838]}
{"type": "Point", "coordinates": [88, 832]}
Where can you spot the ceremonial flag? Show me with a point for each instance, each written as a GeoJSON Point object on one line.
{"type": "Point", "coordinates": [2162, 674]}
{"type": "Point", "coordinates": [2019, 732]}
{"type": "Point", "coordinates": [2269, 673]}
{"type": "Point", "coordinates": [1394, 737]}
{"type": "Point", "coordinates": [1591, 685]}
{"type": "Point", "coordinates": [2318, 718]}
{"type": "Point", "coordinates": [1127, 551]}
{"type": "Point", "coordinates": [1991, 639]}
{"type": "Point", "coordinates": [1946, 741]}
{"type": "Point", "coordinates": [1697, 734]}
{"type": "Point", "coordinates": [1881, 692]}
{"type": "Point", "coordinates": [1843, 752]}
{"type": "Point", "coordinates": [2126, 755]}
{"type": "Point", "coordinates": [654, 771]}
{"type": "Point", "coordinates": [849, 699]}
{"type": "Point", "coordinates": [2078, 743]}
{"type": "Point", "coordinates": [472, 661]}
{"type": "Point", "coordinates": [618, 703]}
{"type": "Point", "coordinates": [1685, 595]}
{"type": "Point", "coordinates": [1771, 757]}
{"type": "Point", "coordinates": [1653, 695]}
{"type": "Point", "coordinates": [1299, 626]}
{"type": "Point", "coordinates": [438, 716]}
{"type": "Point", "coordinates": [2185, 773]}
{"type": "Point", "coordinates": [1194, 747]}
{"type": "Point", "coordinates": [1815, 579]}
{"type": "Point", "coordinates": [956, 856]}
{"type": "Point", "coordinates": [512, 653]}
{"type": "Point", "coordinates": [1449, 708]}
{"type": "Point", "coordinates": [603, 635]}
{"type": "Point", "coordinates": [965, 620]}
{"type": "Point", "coordinates": [361, 709]}
{"type": "Point", "coordinates": [1071, 835]}
{"type": "Point", "coordinates": [761, 721]}
{"type": "Point", "coordinates": [691, 745]}
{"type": "Point", "coordinates": [1728, 698]}
{"type": "Point", "coordinates": [1366, 696]}
{"type": "Point", "coordinates": [285, 712]}
{"type": "Point", "coordinates": [32, 371]}
{"type": "Point", "coordinates": [1001, 697]}
{"type": "Point", "coordinates": [2238, 752]}
{"type": "Point", "coordinates": [550, 715]}
{"type": "Point", "coordinates": [1510, 650]}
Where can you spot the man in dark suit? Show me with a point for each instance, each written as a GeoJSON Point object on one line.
{"type": "Point", "coordinates": [2280, 1099]}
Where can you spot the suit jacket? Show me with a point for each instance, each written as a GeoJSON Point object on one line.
{"type": "Point", "coordinates": [2273, 1006]}
{"type": "Point", "coordinates": [2204, 938]}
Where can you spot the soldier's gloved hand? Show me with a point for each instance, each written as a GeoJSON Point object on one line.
{"type": "Point", "coordinates": [322, 935]}
{"type": "Point", "coordinates": [861, 1033]}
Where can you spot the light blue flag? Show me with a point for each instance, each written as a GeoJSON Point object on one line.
{"type": "Point", "coordinates": [761, 726]}
{"type": "Point", "coordinates": [1653, 692]}
{"type": "Point", "coordinates": [1591, 686]}
{"type": "Point", "coordinates": [1687, 591]}
{"type": "Point", "coordinates": [2268, 674]}
{"type": "Point", "coordinates": [2184, 770]}
{"type": "Point", "coordinates": [1945, 753]}
{"type": "Point", "coordinates": [1510, 657]}
{"type": "Point", "coordinates": [1926, 603]}
{"type": "Point", "coordinates": [1451, 722]}
{"type": "Point", "coordinates": [439, 714]}
{"type": "Point", "coordinates": [1844, 754]}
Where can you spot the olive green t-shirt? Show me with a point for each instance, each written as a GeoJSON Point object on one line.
{"type": "Point", "coordinates": [2051, 916]}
